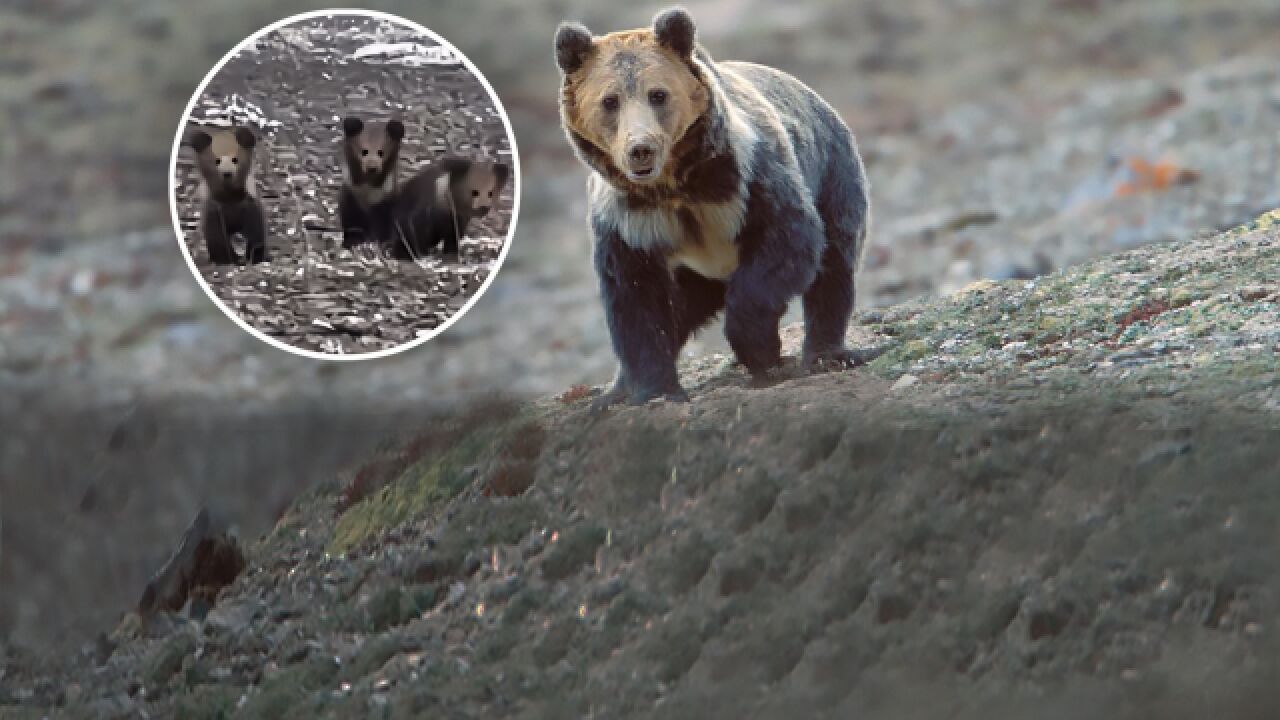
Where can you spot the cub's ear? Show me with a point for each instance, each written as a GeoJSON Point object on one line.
{"type": "Point", "coordinates": [501, 171]}
{"type": "Point", "coordinates": [200, 140]}
{"type": "Point", "coordinates": [395, 129]}
{"type": "Point", "coordinates": [352, 126]}
{"type": "Point", "coordinates": [245, 137]}
{"type": "Point", "coordinates": [674, 30]}
{"type": "Point", "coordinates": [573, 42]}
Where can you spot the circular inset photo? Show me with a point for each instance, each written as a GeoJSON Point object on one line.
{"type": "Point", "coordinates": [345, 184]}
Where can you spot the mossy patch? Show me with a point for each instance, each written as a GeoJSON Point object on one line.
{"type": "Point", "coordinates": [427, 484]}
{"type": "Point", "coordinates": [1265, 221]}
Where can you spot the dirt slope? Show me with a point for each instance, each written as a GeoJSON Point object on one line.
{"type": "Point", "coordinates": [1047, 499]}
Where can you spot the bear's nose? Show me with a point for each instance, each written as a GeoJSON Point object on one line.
{"type": "Point", "coordinates": [226, 174]}
{"type": "Point", "coordinates": [641, 153]}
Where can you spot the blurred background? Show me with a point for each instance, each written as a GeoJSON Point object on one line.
{"type": "Point", "coordinates": [1004, 138]}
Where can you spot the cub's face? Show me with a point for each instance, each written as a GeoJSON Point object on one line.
{"type": "Point", "coordinates": [633, 95]}
{"type": "Point", "coordinates": [225, 158]}
{"type": "Point", "coordinates": [371, 150]}
{"type": "Point", "coordinates": [483, 185]}
{"type": "Point", "coordinates": [476, 186]}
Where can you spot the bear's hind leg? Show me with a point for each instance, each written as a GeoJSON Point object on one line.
{"type": "Point", "coordinates": [829, 301]}
{"type": "Point", "coordinates": [782, 238]}
{"type": "Point", "coordinates": [828, 306]}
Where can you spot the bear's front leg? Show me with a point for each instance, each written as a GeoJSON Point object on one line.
{"type": "Point", "coordinates": [638, 294]}
{"type": "Point", "coordinates": [779, 248]}
{"type": "Point", "coordinates": [216, 238]}
{"type": "Point", "coordinates": [353, 219]}
{"type": "Point", "coordinates": [253, 227]}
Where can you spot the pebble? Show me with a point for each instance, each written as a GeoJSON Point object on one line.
{"type": "Point", "coordinates": [904, 382]}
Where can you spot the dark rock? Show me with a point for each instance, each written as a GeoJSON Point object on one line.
{"type": "Point", "coordinates": [204, 563]}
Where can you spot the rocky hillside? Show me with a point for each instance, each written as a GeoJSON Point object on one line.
{"type": "Point", "coordinates": [1003, 137]}
{"type": "Point", "coordinates": [1049, 498]}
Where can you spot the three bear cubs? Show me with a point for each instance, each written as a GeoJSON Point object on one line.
{"type": "Point", "coordinates": [434, 206]}
{"type": "Point", "coordinates": [714, 186]}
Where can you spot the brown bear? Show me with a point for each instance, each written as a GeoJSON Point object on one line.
{"type": "Point", "coordinates": [714, 186]}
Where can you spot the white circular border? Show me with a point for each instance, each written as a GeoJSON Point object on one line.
{"type": "Point", "coordinates": [191, 261]}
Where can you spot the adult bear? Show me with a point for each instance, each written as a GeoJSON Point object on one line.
{"type": "Point", "coordinates": [715, 186]}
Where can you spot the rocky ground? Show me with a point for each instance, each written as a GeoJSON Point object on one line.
{"type": "Point", "coordinates": [292, 87]}
{"type": "Point", "coordinates": [1052, 497]}
{"type": "Point", "coordinates": [1004, 138]}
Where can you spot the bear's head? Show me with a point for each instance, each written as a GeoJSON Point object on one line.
{"type": "Point", "coordinates": [632, 95]}
{"type": "Point", "coordinates": [371, 150]}
{"type": "Point", "coordinates": [225, 158]}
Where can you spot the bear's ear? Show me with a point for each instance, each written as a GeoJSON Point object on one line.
{"type": "Point", "coordinates": [245, 137]}
{"type": "Point", "coordinates": [351, 126]}
{"type": "Point", "coordinates": [200, 140]}
{"type": "Point", "coordinates": [395, 129]}
{"type": "Point", "coordinates": [573, 42]}
{"type": "Point", "coordinates": [674, 30]}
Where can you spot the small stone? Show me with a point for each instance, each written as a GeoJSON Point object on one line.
{"type": "Point", "coordinates": [166, 660]}
{"type": "Point", "coordinates": [1254, 292]}
{"type": "Point", "coordinates": [503, 588]}
{"type": "Point", "coordinates": [904, 382]}
{"type": "Point", "coordinates": [605, 591]}
{"type": "Point", "coordinates": [233, 618]}
{"type": "Point", "coordinates": [533, 544]}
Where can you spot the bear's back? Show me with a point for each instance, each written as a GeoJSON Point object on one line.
{"type": "Point", "coordinates": [814, 128]}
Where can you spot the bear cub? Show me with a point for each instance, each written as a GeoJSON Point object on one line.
{"type": "Point", "coordinates": [370, 163]}
{"type": "Point", "coordinates": [230, 206]}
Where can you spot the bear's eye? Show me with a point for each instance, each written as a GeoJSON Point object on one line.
{"type": "Point", "coordinates": [364, 153]}
{"type": "Point", "coordinates": [235, 161]}
{"type": "Point", "coordinates": [475, 193]}
{"type": "Point", "coordinates": [490, 193]}
{"type": "Point", "coordinates": [657, 97]}
{"type": "Point", "coordinates": [379, 153]}
{"type": "Point", "coordinates": [610, 103]}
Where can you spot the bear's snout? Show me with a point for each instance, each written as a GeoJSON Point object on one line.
{"type": "Point", "coordinates": [643, 160]}
{"type": "Point", "coordinates": [640, 155]}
